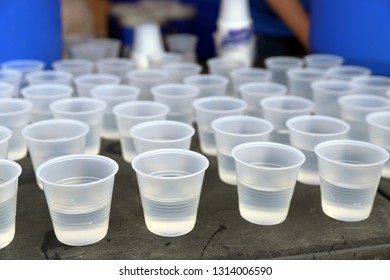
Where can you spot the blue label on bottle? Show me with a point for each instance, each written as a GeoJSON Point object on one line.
{"type": "Point", "coordinates": [237, 38]}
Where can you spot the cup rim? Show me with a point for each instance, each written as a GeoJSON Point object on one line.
{"type": "Point", "coordinates": [27, 91]}
{"type": "Point", "coordinates": [331, 57]}
{"type": "Point", "coordinates": [321, 85]}
{"type": "Point", "coordinates": [219, 120]}
{"type": "Point", "coordinates": [16, 63]}
{"type": "Point", "coordinates": [343, 103]}
{"type": "Point", "coordinates": [80, 80]}
{"type": "Point", "coordinates": [242, 103]}
{"type": "Point", "coordinates": [156, 93]}
{"type": "Point", "coordinates": [27, 106]}
{"type": "Point", "coordinates": [7, 132]}
{"type": "Point", "coordinates": [220, 80]}
{"type": "Point", "coordinates": [370, 119]}
{"type": "Point", "coordinates": [273, 61]}
{"type": "Point", "coordinates": [246, 88]}
{"type": "Point", "coordinates": [339, 70]}
{"type": "Point", "coordinates": [73, 62]}
{"type": "Point", "coordinates": [14, 164]}
{"type": "Point", "coordinates": [7, 86]}
{"type": "Point", "coordinates": [135, 92]}
{"type": "Point", "coordinates": [116, 108]}
{"type": "Point", "coordinates": [295, 73]}
{"type": "Point", "coordinates": [359, 81]}
{"type": "Point", "coordinates": [74, 100]}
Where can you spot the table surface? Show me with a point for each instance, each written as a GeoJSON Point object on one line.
{"type": "Point", "coordinates": [219, 233]}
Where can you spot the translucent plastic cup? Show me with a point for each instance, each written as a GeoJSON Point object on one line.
{"type": "Point", "coordinates": [279, 65]}
{"type": "Point", "coordinates": [326, 94]}
{"type": "Point", "coordinates": [77, 67]}
{"type": "Point", "coordinates": [208, 109]}
{"type": "Point", "coordinates": [178, 71]}
{"type": "Point", "coordinates": [112, 46]}
{"type": "Point", "coordinates": [278, 109]}
{"type": "Point", "coordinates": [347, 72]}
{"type": "Point", "coordinates": [7, 90]}
{"type": "Point", "coordinates": [164, 134]}
{"type": "Point", "coordinates": [179, 99]}
{"type": "Point", "coordinates": [145, 79]}
{"type": "Point", "coordinates": [41, 96]}
{"type": "Point", "coordinates": [222, 66]}
{"type": "Point", "coordinates": [248, 75]}
{"type": "Point", "coordinates": [253, 93]}
{"type": "Point", "coordinates": [266, 176]}
{"type": "Point", "coordinates": [13, 77]}
{"type": "Point", "coordinates": [323, 60]}
{"type": "Point", "coordinates": [350, 172]}
{"type": "Point", "coordinates": [86, 109]}
{"type": "Point", "coordinates": [85, 83]}
{"type": "Point", "coordinates": [115, 66]}
{"type": "Point", "coordinates": [355, 108]}
{"type": "Point", "coordinates": [9, 176]}
{"type": "Point", "coordinates": [113, 95]}
{"type": "Point", "coordinates": [24, 66]}
{"type": "Point", "coordinates": [129, 114]}
{"type": "Point", "coordinates": [49, 77]}
{"type": "Point", "coordinates": [88, 51]}
{"type": "Point", "coordinates": [78, 191]}
{"type": "Point", "coordinates": [5, 136]}
{"type": "Point", "coordinates": [374, 84]}
{"type": "Point", "coordinates": [379, 134]}
{"type": "Point", "coordinates": [300, 79]}
{"type": "Point", "coordinates": [208, 85]}
{"type": "Point", "coordinates": [156, 61]}
{"type": "Point", "coordinates": [170, 183]}
{"type": "Point", "coordinates": [231, 131]}
{"type": "Point", "coordinates": [184, 44]}
{"type": "Point", "coordinates": [308, 131]}
{"type": "Point", "coordinates": [53, 138]}
{"type": "Point", "coordinates": [15, 114]}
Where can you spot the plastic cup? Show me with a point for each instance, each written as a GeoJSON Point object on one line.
{"type": "Point", "coordinates": [88, 51]}
{"type": "Point", "coordinates": [15, 114]}
{"type": "Point", "coordinates": [41, 96]}
{"type": "Point", "coordinates": [5, 135]}
{"type": "Point", "coordinates": [85, 83]}
{"type": "Point", "coordinates": [49, 77]}
{"type": "Point", "coordinates": [170, 183]}
{"type": "Point", "coordinates": [232, 131]}
{"type": "Point", "coordinates": [253, 93]}
{"type": "Point", "coordinates": [145, 79]}
{"type": "Point", "coordinates": [279, 65]}
{"type": "Point", "coordinates": [129, 114]}
{"type": "Point", "coordinates": [184, 44]}
{"type": "Point", "coordinates": [375, 84]}
{"type": "Point", "coordinates": [24, 66]}
{"type": "Point", "coordinates": [7, 90]}
{"type": "Point", "coordinates": [86, 109]}
{"type": "Point", "coordinates": [9, 175]}
{"type": "Point", "coordinates": [78, 191]}
{"type": "Point", "coordinates": [300, 79]}
{"type": "Point", "coordinates": [308, 131]}
{"type": "Point", "coordinates": [222, 66]}
{"type": "Point", "coordinates": [13, 77]}
{"type": "Point", "coordinates": [113, 95]}
{"type": "Point", "coordinates": [115, 66]}
{"type": "Point", "coordinates": [379, 134]}
{"type": "Point", "coordinates": [179, 99]}
{"type": "Point", "coordinates": [266, 176]}
{"type": "Point", "coordinates": [350, 172]}
{"type": "Point", "coordinates": [156, 61]}
{"type": "Point", "coordinates": [208, 109]}
{"type": "Point", "coordinates": [164, 134]}
{"type": "Point", "coordinates": [323, 60]}
{"type": "Point", "coordinates": [111, 46]}
{"type": "Point", "coordinates": [354, 109]}
{"type": "Point", "coordinates": [347, 72]}
{"type": "Point", "coordinates": [208, 85]}
{"type": "Point", "coordinates": [178, 71]}
{"type": "Point", "coordinates": [248, 75]}
{"type": "Point", "coordinates": [77, 67]}
{"type": "Point", "coordinates": [278, 109]}
{"type": "Point", "coordinates": [326, 94]}
{"type": "Point", "coordinates": [53, 138]}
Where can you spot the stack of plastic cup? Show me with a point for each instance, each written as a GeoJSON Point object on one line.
{"type": "Point", "coordinates": [77, 67]}
{"type": "Point", "coordinates": [184, 44]}
{"type": "Point", "coordinates": [13, 77]}
{"type": "Point", "coordinates": [323, 60]}
{"type": "Point", "coordinates": [7, 90]}
{"type": "Point", "coordinates": [156, 61]}
{"type": "Point", "coordinates": [347, 72]}
{"type": "Point", "coordinates": [248, 75]}
{"type": "Point", "coordinates": [299, 81]}
{"type": "Point", "coordinates": [24, 66]}
{"type": "Point", "coordinates": [49, 77]}
{"type": "Point", "coordinates": [5, 135]}
{"type": "Point", "coordinates": [279, 65]}
{"type": "Point", "coordinates": [145, 79]}
{"type": "Point", "coordinates": [115, 66]}
{"type": "Point", "coordinates": [375, 85]}
{"type": "Point", "coordinates": [208, 85]}
{"type": "Point", "coordinates": [85, 83]}
{"type": "Point", "coordinates": [180, 70]}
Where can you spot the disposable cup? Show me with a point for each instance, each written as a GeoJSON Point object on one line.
{"type": "Point", "coordinates": [85, 83]}
{"type": "Point", "coordinates": [208, 85]}
{"type": "Point", "coordinates": [9, 176]}
{"type": "Point", "coordinates": [77, 67]}
{"type": "Point", "coordinates": [299, 81]}
{"type": "Point", "coordinates": [145, 79]}
{"type": "Point", "coordinates": [232, 131]}
{"type": "Point", "coordinates": [208, 109]}
{"type": "Point", "coordinates": [350, 172]}
{"type": "Point", "coordinates": [15, 114]}
{"type": "Point", "coordinates": [253, 93]}
{"type": "Point", "coordinates": [5, 135]}
{"type": "Point", "coordinates": [78, 190]}
{"type": "Point", "coordinates": [156, 61]}
{"type": "Point", "coordinates": [178, 71]}
{"type": "Point", "coordinates": [374, 84]}
{"type": "Point", "coordinates": [86, 109]}
{"type": "Point", "coordinates": [266, 176]}
{"type": "Point", "coordinates": [279, 109]}
{"type": "Point", "coordinates": [7, 90]}
{"type": "Point", "coordinates": [53, 138]}
{"type": "Point", "coordinates": [184, 44]}
{"type": "Point", "coordinates": [326, 94]}
{"type": "Point", "coordinates": [115, 66]}
{"type": "Point", "coordinates": [13, 77]}
{"type": "Point", "coordinates": [279, 65]}
{"type": "Point", "coordinates": [347, 72]}
{"type": "Point", "coordinates": [163, 134]}
{"type": "Point", "coordinates": [112, 46]}
{"type": "Point", "coordinates": [24, 66]}
{"type": "Point", "coordinates": [113, 95]}
{"type": "Point", "coordinates": [323, 60]}
{"type": "Point", "coordinates": [88, 51]}
{"type": "Point", "coordinates": [248, 75]}
{"type": "Point", "coordinates": [170, 183]}
{"type": "Point", "coordinates": [354, 109]}
{"type": "Point", "coordinates": [49, 77]}
{"type": "Point", "coordinates": [41, 96]}
{"type": "Point", "coordinates": [179, 99]}
{"type": "Point", "coordinates": [129, 114]}
{"type": "Point", "coordinates": [308, 131]}
{"type": "Point", "coordinates": [379, 134]}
